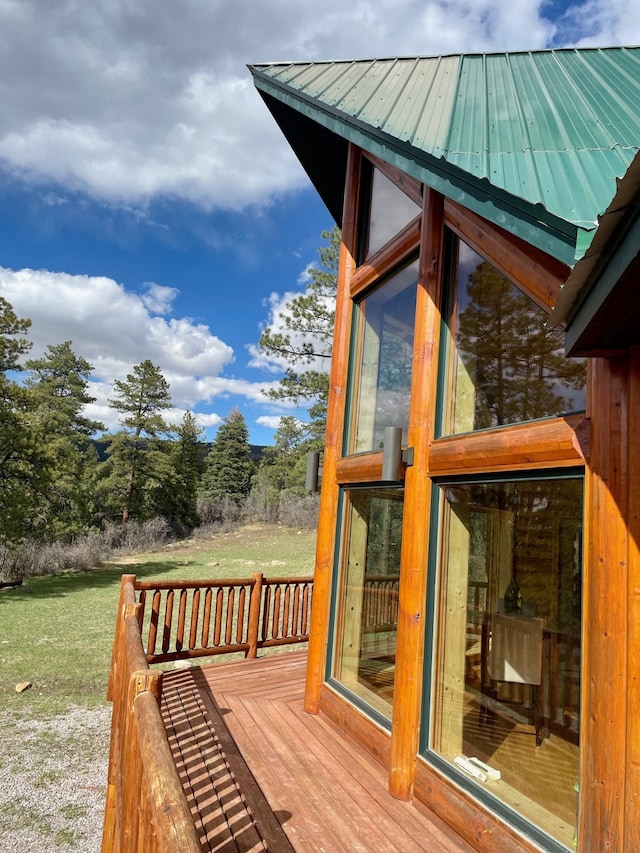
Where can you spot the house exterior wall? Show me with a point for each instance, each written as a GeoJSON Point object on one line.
{"type": "Point", "coordinates": [602, 443]}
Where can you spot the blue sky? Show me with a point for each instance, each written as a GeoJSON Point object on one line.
{"type": "Point", "coordinates": [150, 208]}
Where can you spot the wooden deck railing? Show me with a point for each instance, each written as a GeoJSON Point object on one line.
{"type": "Point", "coordinates": [189, 619]}
{"type": "Point", "coordinates": [146, 808]}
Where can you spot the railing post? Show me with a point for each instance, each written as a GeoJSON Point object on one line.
{"type": "Point", "coordinates": [144, 681]}
{"type": "Point", "coordinates": [254, 615]}
{"type": "Point", "coordinates": [117, 639]}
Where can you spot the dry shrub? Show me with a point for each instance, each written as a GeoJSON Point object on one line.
{"type": "Point", "coordinates": [263, 503]}
{"type": "Point", "coordinates": [217, 517]}
{"type": "Point", "coordinates": [32, 559]}
{"type": "Point", "coordinates": [299, 511]}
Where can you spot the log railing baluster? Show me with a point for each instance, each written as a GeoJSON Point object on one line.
{"type": "Point", "coordinates": [275, 633]}
{"type": "Point", "coordinates": [154, 622]}
{"type": "Point", "coordinates": [182, 610]}
{"type": "Point", "coordinates": [231, 597]}
{"type": "Point", "coordinates": [217, 625]}
{"type": "Point", "coordinates": [266, 609]}
{"type": "Point", "coordinates": [241, 608]}
{"type": "Point", "coordinates": [206, 619]}
{"type": "Point", "coordinates": [168, 618]}
{"type": "Point", "coordinates": [195, 610]}
{"type": "Point", "coordinates": [286, 611]}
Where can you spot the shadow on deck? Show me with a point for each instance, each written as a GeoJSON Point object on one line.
{"type": "Point", "coordinates": [260, 773]}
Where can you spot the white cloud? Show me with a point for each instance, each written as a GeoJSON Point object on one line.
{"type": "Point", "coordinates": [131, 101]}
{"type": "Point", "coordinates": [269, 421]}
{"type": "Point", "coordinates": [279, 308]}
{"type": "Point", "coordinates": [114, 329]}
{"type": "Point", "coordinates": [158, 299]}
{"type": "Point", "coordinates": [305, 276]}
{"type": "Point", "coordinates": [596, 23]}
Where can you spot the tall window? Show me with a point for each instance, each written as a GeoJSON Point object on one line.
{"type": "Point", "coordinates": [505, 364]}
{"type": "Point", "coordinates": [381, 384]}
{"type": "Point", "coordinates": [505, 707]}
{"type": "Point", "coordinates": [367, 611]}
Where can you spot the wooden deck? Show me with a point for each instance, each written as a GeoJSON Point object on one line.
{"type": "Point", "coordinates": [261, 774]}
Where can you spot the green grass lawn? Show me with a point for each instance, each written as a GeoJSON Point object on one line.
{"type": "Point", "coordinates": [57, 632]}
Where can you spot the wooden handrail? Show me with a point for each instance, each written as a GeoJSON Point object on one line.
{"type": "Point", "coordinates": [146, 808]}
{"type": "Point", "coordinates": [203, 618]}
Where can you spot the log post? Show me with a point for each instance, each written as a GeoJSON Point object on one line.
{"type": "Point", "coordinates": [329, 493]}
{"type": "Point", "coordinates": [415, 535]}
{"type": "Point", "coordinates": [117, 640]}
{"type": "Point", "coordinates": [143, 681]}
{"type": "Point", "coordinates": [254, 615]}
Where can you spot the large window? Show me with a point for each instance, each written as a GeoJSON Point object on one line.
{"type": "Point", "coordinates": [383, 336]}
{"type": "Point", "coordinates": [505, 691]}
{"type": "Point", "coordinates": [367, 611]}
{"type": "Point", "coordinates": [505, 364]}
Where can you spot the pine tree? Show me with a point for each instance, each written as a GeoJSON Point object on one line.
{"type": "Point", "coordinates": [307, 337]}
{"type": "Point", "coordinates": [139, 465]}
{"type": "Point", "coordinates": [186, 455]}
{"type": "Point", "coordinates": [24, 471]}
{"type": "Point", "coordinates": [59, 385]}
{"type": "Point", "coordinates": [60, 380]}
{"type": "Point", "coordinates": [228, 467]}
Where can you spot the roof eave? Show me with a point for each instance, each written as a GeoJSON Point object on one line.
{"type": "Point", "coordinates": [612, 251]}
{"type": "Point", "coordinates": [531, 222]}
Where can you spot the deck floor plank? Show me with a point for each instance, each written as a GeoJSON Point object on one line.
{"type": "Point", "coordinates": [302, 784]}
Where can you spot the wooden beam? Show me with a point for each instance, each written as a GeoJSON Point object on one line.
{"type": "Point", "coordinates": [333, 440]}
{"type": "Point", "coordinates": [360, 468]}
{"type": "Point", "coordinates": [556, 442]}
{"type": "Point", "coordinates": [486, 832]}
{"type": "Point", "coordinates": [392, 253]}
{"type": "Point", "coordinates": [415, 530]}
{"type": "Point", "coordinates": [603, 735]}
{"type": "Point", "coordinates": [632, 794]}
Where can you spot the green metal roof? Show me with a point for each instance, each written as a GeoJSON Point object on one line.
{"type": "Point", "coordinates": [534, 141]}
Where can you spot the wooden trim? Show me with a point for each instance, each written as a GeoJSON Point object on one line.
{"type": "Point", "coordinates": [530, 267]}
{"type": "Point", "coordinates": [632, 793]}
{"type": "Point", "coordinates": [483, 830]}
{"type": "Point", "coordinates": [557, 443]}
{"type": "Point", "coordinates": [333, 440]}
{"type": "Point", "coordinates": [409, 186]}
{"type": "Point", "coordinates": [603, 735]}
{"type": "Point", "coordinates": [354, 723]}
{"type": "Point", "coordinates": [359, 468]}
{"type": "Point", "coordinates": [415, 533]}
{"type": "Point", "coordinates": [391, 255]}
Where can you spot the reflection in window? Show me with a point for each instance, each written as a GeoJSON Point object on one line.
{"type": "Point", "coordinates": [384, 355]}
{"type": "Point", "coordinates": [390, 210]}
{"type": "Point", "coordinates": [507, 663]}
{"type": "Point", "coordinates": [365, 650]}
{"type": "Point", "coordinates": [505, 364]}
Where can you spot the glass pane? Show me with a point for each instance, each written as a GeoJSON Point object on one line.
{"type": "Point", "coordinates": [389, 212]}
{"type": "Point", "coordinates": [505, 364]}
{"type": "Point", "coordinates": [384, 355]}
{"type": "Point", "coordinates": [365, 650]}
{"type": "Point", "coordinates": [507, 664]}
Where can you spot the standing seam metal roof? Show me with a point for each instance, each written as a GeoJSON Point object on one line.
{"type": "Point", "coordinates": [545, 133]}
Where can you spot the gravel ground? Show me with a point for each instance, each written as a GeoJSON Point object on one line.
{"type": "Point", "coordinates": [53, 781]}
